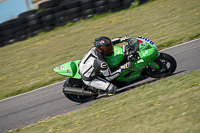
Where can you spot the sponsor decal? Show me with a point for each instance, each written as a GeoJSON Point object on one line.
{"type": "Point", "coordinates": [147, 40]}
{"type": "Point", "coordinates": [104, 65]}
{"type": "Point", "coordinates": [102, 41]}
{"type": "Point", "coordinates": [145, 53]}
{"type": "Point", "coordinates": [68, 72]}
{"type": "Point", "coordinates": [141, 66]}
{"type": "Point", "coordinates": [60, 67]}
{"type": "Point", "coordinates": [143, 43]}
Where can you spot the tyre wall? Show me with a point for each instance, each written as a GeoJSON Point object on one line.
{"type": "Point", "coordinates": [55, 13]}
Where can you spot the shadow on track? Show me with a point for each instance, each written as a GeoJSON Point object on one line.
{"type": "Point", "coordinates": [136, 84]}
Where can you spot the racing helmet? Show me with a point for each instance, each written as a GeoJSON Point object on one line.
{"type": "Point", "coordinates": [104, 46]}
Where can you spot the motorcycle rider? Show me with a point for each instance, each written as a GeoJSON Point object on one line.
{"type": "Point", "coordinates": [94, 64]}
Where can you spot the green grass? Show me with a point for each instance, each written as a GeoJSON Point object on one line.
{"type": "Point", "coordinates": [27, 65]}
{"type": "Point", "coordinates": [167, 106]}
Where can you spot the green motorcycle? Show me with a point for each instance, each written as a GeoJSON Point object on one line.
{"type": "Point", "coordinates": [145, 61]}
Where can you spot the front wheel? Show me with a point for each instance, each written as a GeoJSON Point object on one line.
{"type": "Point", "coordinates": [71, 82]}
{"type": "Point", "coordinates": [167, 65]}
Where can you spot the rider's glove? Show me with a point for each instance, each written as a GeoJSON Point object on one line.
{"type": "Point", "coordinates": [125, 66]}
{"type": "Point", "coordinates": [124, 39]}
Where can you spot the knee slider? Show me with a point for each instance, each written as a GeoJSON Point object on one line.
{"type": "Point", "coordinates": [112, 89]}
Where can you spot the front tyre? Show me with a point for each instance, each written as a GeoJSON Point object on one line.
{"type": "Point", "coordinates": [71, 82]}
{"type": "Point", "coordinates": [167, 65]}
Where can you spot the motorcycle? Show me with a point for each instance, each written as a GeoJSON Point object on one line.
{"type": "Point", "coordinates": [157, 65]}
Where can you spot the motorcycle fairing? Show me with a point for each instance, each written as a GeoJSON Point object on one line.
{"type": "Point", "coordinates": [69, 69]}
{"type": "Point", "coordinates": [114, 60]}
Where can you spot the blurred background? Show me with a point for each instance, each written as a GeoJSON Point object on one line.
{"type": "Point", "coordinates": [10, 9]}
{"type": "Point", "coordinates": [20, 19]}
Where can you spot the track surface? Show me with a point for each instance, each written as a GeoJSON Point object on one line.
{"type": "Point", "coordinates": [49, 101]}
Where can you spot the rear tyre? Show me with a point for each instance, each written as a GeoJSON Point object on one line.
{"type": "Point", "coordinates": [167, 65]}
{"type": "Point", "coordinates": [77, 98]}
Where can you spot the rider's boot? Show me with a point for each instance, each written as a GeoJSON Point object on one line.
{"type": "Point", "coordinates": [111, 90]}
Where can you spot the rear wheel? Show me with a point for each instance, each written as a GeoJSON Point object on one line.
{"type": "Point", "coordinates": [167, 65]}
{"type": "Point", "coordinates": [71, 82]}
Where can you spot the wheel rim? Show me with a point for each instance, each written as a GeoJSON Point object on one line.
{"type": "Point", "coordinates": [164, 67]}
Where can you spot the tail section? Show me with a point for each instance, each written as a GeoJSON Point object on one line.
{"type": "Point", "coordinates": [69, 69]}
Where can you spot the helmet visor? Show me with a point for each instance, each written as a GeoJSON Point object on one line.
{"type": "Point", "coordinates": [108, 51]}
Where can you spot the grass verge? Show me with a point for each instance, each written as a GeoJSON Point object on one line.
{"type": "Point", "coordinates": [168, 106]}
{"type": "Point", "coordinates": [27, 65]}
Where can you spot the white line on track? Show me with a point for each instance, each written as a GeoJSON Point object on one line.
{"type": "Point", "coordinates": [63, 81]}
{"type": "Point", "coordinates": [180, 44]}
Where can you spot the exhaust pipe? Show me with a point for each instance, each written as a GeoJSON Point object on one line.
{"type": "Point", "coordinates": [77, 91]}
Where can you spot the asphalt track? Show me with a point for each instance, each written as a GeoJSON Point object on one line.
{"type": "Point", "coordinates": [29, 108]}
